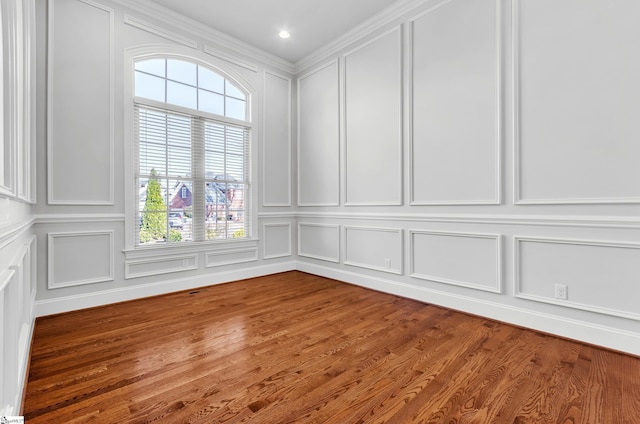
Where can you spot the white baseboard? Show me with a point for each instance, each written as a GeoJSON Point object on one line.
{"type": "Point", "coordinates": [105, 297]}
{"type": "Point", "coordinates": [608, 337]}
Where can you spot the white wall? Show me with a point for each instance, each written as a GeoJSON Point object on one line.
{"type": "Point", "coordinates": [488, 151]}
{"type": "Point", "coordinates": [18, 253]}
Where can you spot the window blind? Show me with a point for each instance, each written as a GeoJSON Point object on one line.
{"type": "Point", "coordinates": [191, 177]}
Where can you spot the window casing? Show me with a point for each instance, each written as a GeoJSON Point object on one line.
{"type": "Point", "coordinates": [192, 139]}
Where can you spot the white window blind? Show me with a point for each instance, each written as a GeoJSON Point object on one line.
{"type": "Point", "coordinates": [178, 154]}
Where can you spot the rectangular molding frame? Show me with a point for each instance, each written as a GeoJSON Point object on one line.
{"type": "Point", "coordinates": [343, 121]}
{"type": "Point", "coordinates": [51, 251]}
{"type": "Point", "coordinates": [232, 256]}
{"type": "Point", "coordinates": [310, 255]}
{"type": "Point", "coordinates": [264, 131]}
{"type": "Point", "coordinates": [340, 125]}
{"type": "Point", "coordinates": [264, 241]}
{"type": "Point", "coordinates": [50, 138]}
{"type": "Point", "coordinates": [189, 262]}
{"type": "Point", "coordinates": [517, 147]}
{"type": "Point", "coordinates": [398, 231]}
{"type": "Point", "coordinates": [497, 288]}
{"type": "Point", "coordinates": [517, 240]}
{"type": "Point", "coordinates": [161, 32]}
{"type": "Point", "coordinates": [499, 110]}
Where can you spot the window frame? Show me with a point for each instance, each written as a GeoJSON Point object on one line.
{"type": "Point", "coordinates": [136, 54]}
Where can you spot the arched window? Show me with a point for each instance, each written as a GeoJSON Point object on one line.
{"type": "Point", "coordinates": [192, 133]}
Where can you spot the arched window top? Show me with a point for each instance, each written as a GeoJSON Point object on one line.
{"type": "Point", "coordinates": [191, 85]}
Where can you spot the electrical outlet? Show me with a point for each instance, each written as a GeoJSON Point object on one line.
{"type": "Point", "coordinates": [387, 263]}
{"type": "Point", "coordinates": [561, 291]}
{"type": "Point", "coordinates": [185, 262]}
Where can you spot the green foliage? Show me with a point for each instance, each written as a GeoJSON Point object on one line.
{"type": "Point", "coordinates": [238, 233]}
{"type": "Point", "coordinates": [154, 215]}
{"type": "Point", "coordinates": [175, 235]}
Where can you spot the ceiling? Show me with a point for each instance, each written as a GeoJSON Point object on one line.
{"type": "Point", "coordinates": [312, 23]}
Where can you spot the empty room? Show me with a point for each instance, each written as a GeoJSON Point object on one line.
{"type": "Point", "coordinates": [360, 211]}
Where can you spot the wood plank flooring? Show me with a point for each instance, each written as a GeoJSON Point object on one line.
{"type": "Point", "coordinates": [294, 347]}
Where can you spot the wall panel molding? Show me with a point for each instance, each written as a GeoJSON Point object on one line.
{"type": "Point", "coordinates": [273, 252]}
{"type": "Point", "coordinates": [316, 131]}
{"type": "Point", "coordinates": [159, 31]}
{"type": "Point", "coordinates": [326, 238]}
{"type": "Point", "coordinates": [385, 254]}
{"type": "Point", "coordinates": [580, 272]}
{"type": "Point", "coordinates": [160, 265]}
{"type": "Point", "coordinates": [373, 177]}
{"type": "Point", "coordinates": [86, 103]}
{"type": "Point", "coordinates": [490, 175]}
{"type": "Point", "coordinates": [620, 222]}
{"type": "Point", "coordinates": [585, 163]}
{"type": "Point", "coordinates": [101, 249]}
{"type": "Point", "coordinates": [271, 164]}
{"type": "Point", "coordinates": [488, 266]}
{"type": "Point", "coordinates": [230, 257]}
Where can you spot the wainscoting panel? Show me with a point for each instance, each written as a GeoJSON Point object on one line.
{"type": "Point", "coordinates": [16, 326]}
{"type": "Point", "coordinates": [456, 113]}
{"type": "Point", "coordinates": [230, 257]}
{"type": "Point", "coordinates": [319, 241]}
{"type": "Point", "coordinates": [582, 146]}
{"type": "Point", "coordinates": [373, 83]}
{"type": "Point", "coordinates": [319, 137]}
{"type": "Point", "coordinates": [276, 163]}
{"type": "Point", "coordinates": [80, 116]}
{"type": "Point", "coordinates": [461, 259]}
{"type": "Point", "coordinates": [77, 258]}
{"type": "Point", "coordinates": [277, 240]}
{"type": "Point", "coordinates": [599, 276]}
{"type": "Point", "coordinates": [379, 249]}
{"type": "Point", "coordinates": [160, 265]}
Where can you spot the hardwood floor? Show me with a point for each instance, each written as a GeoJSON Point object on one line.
{"type": "Point", "coordinates": [294, 347]}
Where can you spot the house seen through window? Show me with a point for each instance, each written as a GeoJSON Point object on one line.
{"type": "Point", "coordinates": [192, 139]}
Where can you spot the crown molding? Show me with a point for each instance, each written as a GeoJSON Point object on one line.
{"type": "Point", "coordinates": [209, 34]}
{"type": "Point", "coordinates": [386, 16]}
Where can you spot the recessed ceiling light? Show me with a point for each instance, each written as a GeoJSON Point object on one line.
{"type": "Point", "coordinates": [284, 34]}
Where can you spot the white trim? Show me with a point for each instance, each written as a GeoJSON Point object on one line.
{"type": "Point", "coordinates": [190, 264]}
{"type": "Point", "coordinates": [517, 134]}
{"type": "Point", "coordinates": [51, 284]}
{"type": "Point", "coordinates": [159, 251]}
{"type": "Point", "coordinates": [499, 113]}
{"type": "Point", "coordinates": [319, 68]}
{"type": "Point", "coordinates": [50, 84]}
{"type": "Point", "coordinates": [156, 11]}
{"type": "Point", "coordinates": [11, 232]}
{"type": "Point", "coordinates": [11, 110]}
{"type": "Point", "coordinates": [621, 222]}
{"type": "Point", "coordinates": [517, 277]}
{"type": "Point", "coordinates": [210, 263]}
{"type": "Point", "coordinates": [154, 29]}
{"type": "Point", "coordinates": [289, 145]}
{"type": "Point", "coordinates": [601, 335]}
{"type": "Point", "coordinates": [344, 120]}
{"type": "Point", "coordinates": [399, 231]}
{"type": "Point", "coordinates": [497, 288]}
{"type": "Point", "coordinates": [214, 52]}
{"type": "Point", "coordinates": [322, 258]}
{"type": "Point", "coordinates": [45, 307]}
{"type": "Point", "coordinates": [77, 218]}
{"type": "Point", "coordinates": [264, 240]}
{"type": "Point", "coordinates": [392, 13]}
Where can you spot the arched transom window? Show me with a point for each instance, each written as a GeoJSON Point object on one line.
{"type": "Point", "coordinates": [192, 138]}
